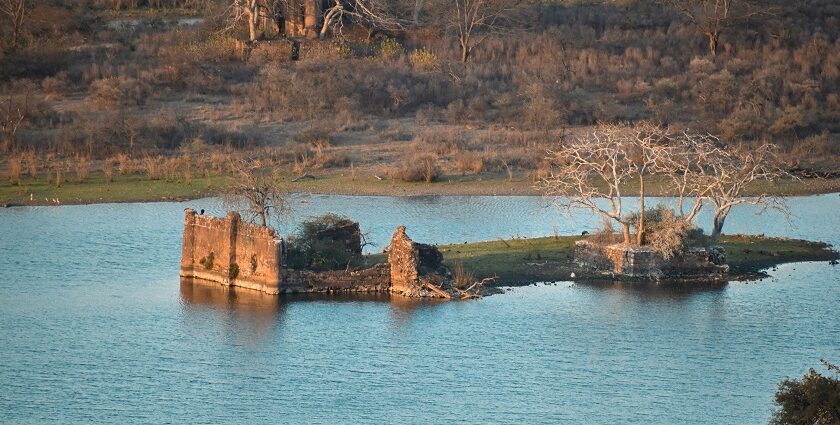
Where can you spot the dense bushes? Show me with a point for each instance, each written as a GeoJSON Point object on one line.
{"type": "Point", "coordinates": [328, 242]}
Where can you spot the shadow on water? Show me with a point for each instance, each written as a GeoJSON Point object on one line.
{"type": "Point", "coordinates": [654, 291]}
{"type": "Point", "coordinates": [258, 306]}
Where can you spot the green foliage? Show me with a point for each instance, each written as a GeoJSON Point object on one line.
{"type": "Point", "coordinates": [328, 242]}
{"type": "Point", "coordinates": [207, 261]}
{"type": "Point", "coordinates": [814, 400]}
{"type": "Point", "coordinates": [233, 272]}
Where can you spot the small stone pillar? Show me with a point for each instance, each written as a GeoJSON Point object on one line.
{"type": "Point", "coordinates": [403, 259]}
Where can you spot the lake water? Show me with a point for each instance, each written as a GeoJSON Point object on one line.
{"type": "Point", "coordinates": [95, 328]}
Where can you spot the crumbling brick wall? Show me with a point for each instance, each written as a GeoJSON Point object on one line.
{"type": "Point", "coordinates": [231, 252]}
{"type": "Point", "coordinates": [644, 262]}
{"type": "Point", "coordinates": [403, 258]}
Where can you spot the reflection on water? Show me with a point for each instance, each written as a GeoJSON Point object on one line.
{"type": "Point", "coordinates": [94, 327]}
{"type": "Point", "coordinates": [652, 291]}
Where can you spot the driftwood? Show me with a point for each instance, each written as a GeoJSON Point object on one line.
{"type": "Point", "coordinates": [303, 176]}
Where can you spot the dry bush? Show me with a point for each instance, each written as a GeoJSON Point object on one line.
{"type": "Point", "coordinates": [420, 168]}
{"type": "Point", "coordinates": [124, 164]}
{"type": "Point", "coordinates": [108, 169]}
{"type": "Point", "coordinates": [424, 59]}
{"type": "Point", "coordinates": [469, 162]}
{"type": "Point", "coordinates": [463, 279]}
{"type": "Point", "coordinates": [30, 158]}
{"type": "Point", "coordinates": [82, 168]}
{"type": "Point", "coordinates": [542, 171]}
{"type": "Point", "coordinates": [170, 168]}
{"type": "Point", "coordinates": [314, 137]}
{"type": "Point", "coordinates": [324, 159]}
{"type": "Point", "coordinates": [666, 233]}
{"type": "Point", "coordinates": [57, 85]}
{"type": "Point", "coordinates": [14, 169]}
{"type": "Point", "coordinates": [186, 168]}
{"type": "Point", "coordinates": [110, 93]}
{"type": "Point", "coordinates": [153, 167]}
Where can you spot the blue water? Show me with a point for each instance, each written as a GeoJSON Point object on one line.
{"type": "Point", "coordinates": [95, 327]}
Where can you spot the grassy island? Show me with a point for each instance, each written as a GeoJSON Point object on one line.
{"type": "Point", "coordinates": [525, 261]}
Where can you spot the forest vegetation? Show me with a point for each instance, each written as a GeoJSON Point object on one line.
{"type": "Point", "coordinates": [170, 91]}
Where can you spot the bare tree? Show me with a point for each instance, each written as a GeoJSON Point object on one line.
{"type": "Point", "coordinates": [684, 161]}
{"type": "Point", "coordinates": [257, 196]}
{"type": "Point", "coordinates": [473, 21]}
{"type": "Point", "coordinates": [377, 15]}
{"type": "Point", "coordinates": [592, 171]}
{"type": "Point", "coordinates": [712, 17]}
{"type": "Point", "coordinates": [11, 117]}
{"type": "Point", "coordinates": [15, 13]}
{"type": "Point", "coordinates": [732, 171]}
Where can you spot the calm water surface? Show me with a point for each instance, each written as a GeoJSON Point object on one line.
{"type": "Point", "coordinates": [95, 327]}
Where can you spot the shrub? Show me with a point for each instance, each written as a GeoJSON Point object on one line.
{"type": "Point", "coordinates": [666, 233]}
{"type": "Point", "coordinates": [207, 261]}
{"type": "Point", "coordinates": [82, 168]}
{"type": "Point", "coordinates": [328, 242]}
{"type": "Point", "coordinates": [390, 47]}
{"type": "Point", "coordinates": [15, 169]}
{"type": "Point", "coordinates": [814, 399]}
{"type": "Point", "coordinates": [469, 162]}
{"type": "Point", "coordinates": [420, 168]}
{"type": "Point", "coordinates": [423, 59]}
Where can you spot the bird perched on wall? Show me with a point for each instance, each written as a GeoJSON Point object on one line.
{"type": "Point", "coordinates": [202, 212]}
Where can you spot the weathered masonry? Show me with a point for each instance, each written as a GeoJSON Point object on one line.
{"type": "Point", "coordinates": [230, 252]}
{"type": "Point", "coordinates": [646, 263]}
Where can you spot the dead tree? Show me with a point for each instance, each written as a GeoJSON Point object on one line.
{"type": "Point", "coordinates": [713, 17]}
{"type": "Point", "coordinates": [473, 21]}
{"type": "Point", "coordinates": [732, 171]}
{"type": "Point", "coordinates": [377, 15]}
{"type": "Point", "coordinates": [15, 13]}
{"type": "Point", "coordinates": [257, 196]}
{"type": "Point", "coordinates": [684, 161]}
{"type": "Point", "coordinates": [11, 117]}
{"type": "Point", "coordinates": [590, 171]}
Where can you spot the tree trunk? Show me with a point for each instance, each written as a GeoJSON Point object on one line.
{"type": "Point", "coordinates": [311, 15]}
{"type": "Point", "coordinates": [465, 52]}
{"type": "Point", "coordinates": [717, 226]}
{"type": "Point", "coordinates": [713, 42]}
{"type": "Point", "coordinates": [626, 230]}
{"type": "Point", "coordinates": [640, 233]}
{"type": "Point", "coordinates": [418, 7]}
{"type": "Point", "coordinates": [253, 17]}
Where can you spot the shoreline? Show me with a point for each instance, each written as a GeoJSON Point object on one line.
{"type": "Point", "coordinates": [137, 189]}
{"type": "Point", "coordinates": [521, 262]}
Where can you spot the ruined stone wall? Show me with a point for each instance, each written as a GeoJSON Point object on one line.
{"type": "Point", "coordinates": [644, 262]}
{"type": "Point", "coordinates": [374, 279]}
{"type": "Point", "coordinates": [231, 252]}
{"type": "Point", "coordinates": [403, 259]}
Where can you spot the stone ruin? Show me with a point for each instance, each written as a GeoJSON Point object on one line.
{"type": "Point", "coordinates": [646, 263]}
{"type": "Point", "coordinates": [233, 253]}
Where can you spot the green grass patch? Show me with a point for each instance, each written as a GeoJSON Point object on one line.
{"type": "Point", "coordinates": [524, 261]}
